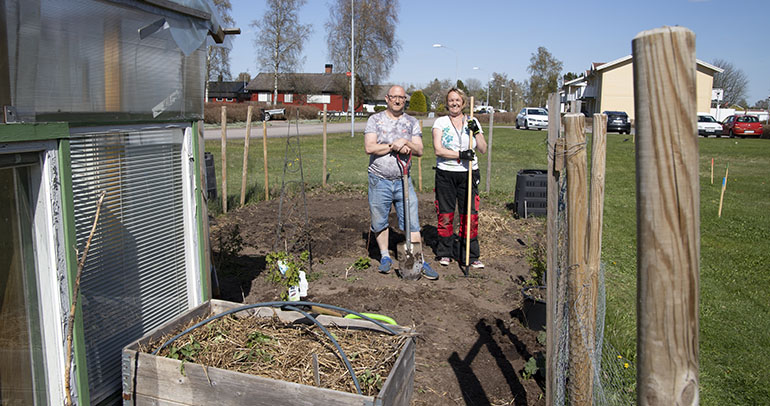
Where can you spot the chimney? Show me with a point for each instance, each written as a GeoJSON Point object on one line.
{"type": "Point", "coordinates": [328, 68]}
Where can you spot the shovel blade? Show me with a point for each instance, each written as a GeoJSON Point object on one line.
{"type": "Point", "coordinates": [409, 264]}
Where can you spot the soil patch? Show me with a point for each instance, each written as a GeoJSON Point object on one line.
{"type": "Point", "coordinates": [472, 344]}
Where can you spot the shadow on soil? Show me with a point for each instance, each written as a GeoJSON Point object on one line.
{"type": "Point", "coordinates": [235, 276]}
{"type": "Point", "coordinates": [471, 387]}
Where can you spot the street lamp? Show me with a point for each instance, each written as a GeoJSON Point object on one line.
{"type": "Point", "coordinates": [501, 95]}
{"type": "Point", "coordinates": [456, 60]}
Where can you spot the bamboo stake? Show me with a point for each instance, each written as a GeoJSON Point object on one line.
{"type": "Point", "coordinates": [552, 317]}
{"type": "Point", "coordinates": [580, 325]}
{"type": "Point", "coordinates": [264, 154]}
{"type": "Point", "coordinates": [244, 173]}
{"type": "Point", "coordinates": [724, 187]}
{"type": "Point", "coordinates": [489, 149]}
{"type": "Point", "coordinates": [419, 167]}
{"type": "Point", "coordinates": [668, 212]}
{"type": "Point", "coordinates": [470, 202]}
{"type": "Point", "coordinates": [223, 120]}
{"type": "Point", "coordinates": [73, 305]}
{"type": "Point", "coordinates": [323, 169]}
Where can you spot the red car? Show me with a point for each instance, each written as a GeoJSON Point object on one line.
{"type": "Point", "coordinates": [741, 125]}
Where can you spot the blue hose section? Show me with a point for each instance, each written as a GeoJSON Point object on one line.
{"type": "Point", "coordinates": [290, 305]}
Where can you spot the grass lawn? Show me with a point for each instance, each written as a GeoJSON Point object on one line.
{"type": "Point", "coordinates": [735, 249]}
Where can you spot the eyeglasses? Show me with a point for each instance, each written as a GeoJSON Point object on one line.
{"type": "Point", "coordinates": [402, 98]}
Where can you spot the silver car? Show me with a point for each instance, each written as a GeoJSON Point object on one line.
{"type": "Point", "coordinates": [532, 117]}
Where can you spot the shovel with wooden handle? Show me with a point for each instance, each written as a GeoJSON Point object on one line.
{"type": "Point", "coordinates": [410, 264]}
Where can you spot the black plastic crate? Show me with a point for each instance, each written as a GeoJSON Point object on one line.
{"type": "Point", "coordinates": [211, 175]}
{"type": "Point", "coordinates": [531, 198]}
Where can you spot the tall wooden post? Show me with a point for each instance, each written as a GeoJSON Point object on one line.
{"type": "Point", "coordinates": [245, 172]}
{"type": "Point", "coordinates": [489, 149]}
{"type": "Point", "coordinates": [668, 213]}
{"type": "Point", "coordinates": [264, 155]}
{"type": "Point", "coordinates": [596, 209]}
{"type": "Point", "coordinates": [323, 169]}
{"type": "Point", "coordinates": [581, 327]}
{"type": "Point", "coordinates": [552, 318]}
{"type": "Point", "coordinates": [419, 167]}
{"type": "Point", "coordinates": [223, 120]}
{"type": "Point", "coordinates": [468, 212]}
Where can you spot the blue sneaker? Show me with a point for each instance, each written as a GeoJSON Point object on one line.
{"type": "Point", "coordinates": [428, 272]}
{"type": "Point", "coordinates": [385, 265]}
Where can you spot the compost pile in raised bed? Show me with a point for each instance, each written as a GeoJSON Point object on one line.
{"type": "Point", "coordinates": [274, 349]}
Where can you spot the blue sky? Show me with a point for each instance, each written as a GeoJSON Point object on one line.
{"type": "Point", "coordinates": [500, 36]}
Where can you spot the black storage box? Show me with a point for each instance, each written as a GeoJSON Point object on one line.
{"type": "Point", "coordinates": [211, 176]}
{"type": "Point", "coordinates": [531, 197]}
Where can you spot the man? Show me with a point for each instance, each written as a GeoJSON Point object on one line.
{"type": "Point", "coordinates": [390, 135]}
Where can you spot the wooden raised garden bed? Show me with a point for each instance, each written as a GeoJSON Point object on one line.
{"type": "Point", "coordinates": [158, 380]}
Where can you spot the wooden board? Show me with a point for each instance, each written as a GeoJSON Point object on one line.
{"type": "Point", "coordinates": [150, 379]}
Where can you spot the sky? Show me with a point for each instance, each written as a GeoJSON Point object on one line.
{"type": "Point", "coordinates": [501, 35]}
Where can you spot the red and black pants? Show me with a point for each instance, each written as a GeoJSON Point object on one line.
{"type": "Point", "coordinates": [452, 192]}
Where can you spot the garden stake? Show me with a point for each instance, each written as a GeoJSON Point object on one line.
{"type": "Point", "coordinates": [724, 186]}
{"type": "Point", "coordinates": [712, 171]}
{"type": "Point", "coordinates": [468, 208]}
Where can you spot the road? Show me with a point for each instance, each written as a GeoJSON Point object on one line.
{"type": "Point", "coordinates": [280, 128]}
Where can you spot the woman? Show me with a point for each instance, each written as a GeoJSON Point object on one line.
{"type": "Point", "coordinates": [455, 138]}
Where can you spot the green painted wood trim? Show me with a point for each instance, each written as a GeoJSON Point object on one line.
{"type": "Point", "coordinates": [33, 132]}
{"type": "Point", "coordinates": [199, 213]}
{"type": "Point", "coordinates": [70, 240]}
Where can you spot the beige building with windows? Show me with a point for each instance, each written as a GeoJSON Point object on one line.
{"type": "Point", "coordinates": [610, 87]}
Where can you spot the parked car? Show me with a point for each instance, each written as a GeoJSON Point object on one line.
{"type": "Point", "coordinates": [267, 114]}
{"type": "Point", "coordinates": [741, 125]}
{"type": "Point", "coordinates": [484, 109]}
{"type": "Point", "coordinates": [532, 117]}
{"type": "Point", "coordinates": [708, 125]}
{"type": "Point", "coordinates": [617, 121]}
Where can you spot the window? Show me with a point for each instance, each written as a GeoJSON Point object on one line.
{"type": "Point", "coordinates": [229, 99]}
{"type": "Point", "coordinates": [319, 98]}
{"type": "Point", "coordinates": [265, 97]}
{"type": "Point", "coordinates": [22, 371]}
{"type": "Point", "coordinates": [288, 98]}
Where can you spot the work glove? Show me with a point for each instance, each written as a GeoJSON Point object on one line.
{"type": "Point", "coordinates": [473, 126]}
{"type": "Point", "coordinates": [467, 155]}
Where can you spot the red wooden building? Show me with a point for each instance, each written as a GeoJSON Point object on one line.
{"type": "Point", "coordinates": [307, 89]}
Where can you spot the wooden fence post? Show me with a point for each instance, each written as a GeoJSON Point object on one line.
{"type": "Point", "coordinates": [668, 213]}
{"type": "Point", "coordinates": [552, 318]}
{"type": "Point", "coordinates": [581, 341]}
{"type": "Point", "coordinates": [223, 120]}
{"type": "Point", "coordinates": [596, 208]}
{"type": "Point", "coordinates": [419, 167]}
{"type": "Point", "coordinates": [489, 148]}
{"type": "Point", "coordinates": [264, 154]}
{"type": "Point", "coordinates": [323, 170]}
{"type": "Point", "coordinates": [244, 172]}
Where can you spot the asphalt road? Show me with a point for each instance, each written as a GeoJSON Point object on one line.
{"type": "Point", "coordinates": [279, 128]}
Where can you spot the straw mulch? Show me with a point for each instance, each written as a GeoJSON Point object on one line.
{"type": "Point", "coordinates": [270, 348]}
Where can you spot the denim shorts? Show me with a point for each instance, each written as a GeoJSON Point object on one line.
{"type": "Point", "coordinates": [383, 194]}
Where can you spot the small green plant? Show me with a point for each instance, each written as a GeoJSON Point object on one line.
{"type": "Point", "coordinates": [541, 338]}
{"type": "Point", "coordinates": [535, 365]}
{"type": "Point", "coordinates": [284, 269]}
{"type": "Point", "coordinates": [362, 263]}
{"type": "Point", "coordinates": [537, 265]}
{"type": "Point", "coordinates": [371, 379]}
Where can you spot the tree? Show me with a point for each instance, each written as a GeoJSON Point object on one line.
{"type": "Point", "coordinates": [417, 102]}
{"type": "Point", "coordinates": [218, 57]}
{"type": "Point", "coordinates": [376, 46]}
{"type": "Point", "coordinates": [280, 38]}
{"type": "Point", "coordinates": [732, 80]}
{"type": "Point", "coordinates": [544, 71]}
{"type": "Point", "coordinates": [244, 77]}
{"type": "Point", "coordinates": [435, 91]}
{"type": "Point", "coordinates": [761, 104]}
